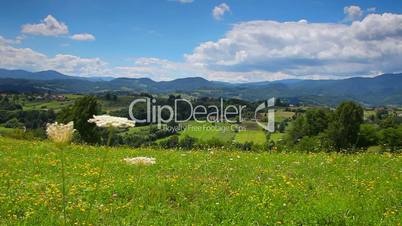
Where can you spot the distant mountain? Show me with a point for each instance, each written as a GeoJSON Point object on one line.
{"type": "Point", "coordinates": [381, 90]}
{"type": "Point", "coordinates": [41, 75]}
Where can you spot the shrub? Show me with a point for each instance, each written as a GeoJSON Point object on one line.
{"type": "Point", "coordinates": [247, 146]}
{"type": "Point", "coordinates": [134, 140]}
{"type": "Point", "coordinates": [367, 136]}
{"type": "Point", "coordinates": [309, 144]}
{"type": "Point", "coordinates": [214, 142]}
{"type": "Point", "coordinates": [13, 123]}
{"type": "Point", "coordinates": [391, 138]}
{"type": "Point", "coordinates": [188, 142]}
{"type": "Point", "coordinates": [171, 142]}
{"type": "Point", "coordinates": [313, 122]}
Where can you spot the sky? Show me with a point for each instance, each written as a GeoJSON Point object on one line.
{"type": "Point", "coordinates": [234, 41]}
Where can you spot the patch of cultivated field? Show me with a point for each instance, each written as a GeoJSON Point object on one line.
{"type": "Point", "coordinates": [255, 136]}
{"type": "Point", "coordinates": [198, 187]}
{"type": "Point", "coordinates": [209, 131]}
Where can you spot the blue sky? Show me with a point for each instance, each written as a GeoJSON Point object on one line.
{"type": "Point", "coordinates": [167, 39]}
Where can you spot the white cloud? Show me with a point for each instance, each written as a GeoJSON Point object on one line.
{"type": "Point", "coordinates": [220, 10]}
{"type": "Point", "coordinates": [83, 37]}
{"type": "Point", "coordinates": [303, 49]}
{"type": "Point", "coordinates": [50, 26]}
{"type": "Point", "coordinates": [371, 9]}
{"type": "Point", "coordinates": [17, 40]}
{"type": "Point", "coordinates": [352, 12]}
{"type": "Point", "coordinates": [253, 51]}
{"type": "Point", "coordinates": [28, 59]}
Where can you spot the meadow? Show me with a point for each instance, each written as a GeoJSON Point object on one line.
{"type": "Point", "coordinates": [200, 187]}
{"type": "Point", "coordinates": [255, 136]}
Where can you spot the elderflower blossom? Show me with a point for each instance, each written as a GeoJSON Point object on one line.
{"type": "Point", "coordinates": [108, 121]}
{"type": "Point", "coordinates": [140, 161]}
{"type": "Point", "coordinates": [60, 133]}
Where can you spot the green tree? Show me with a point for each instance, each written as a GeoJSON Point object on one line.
{"type": "Point", "coordinates": [344, 128]}
{"type": "Point", "coordinates": [13, 123]}
{"type": "Point", "coordinates": [82, 110]}
{"type": "Point", "coordinates": [311, 123]}
{"type": "Point", "coordinates": [391, 138]}
{"type": "Point", "coordinates": [368, 135]}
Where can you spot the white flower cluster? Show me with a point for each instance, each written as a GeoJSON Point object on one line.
{"type": "Point", "coordinates": [111, 121]}
{"type": "Point", "coordinates": [60, 133]}
{"type": "Point", "coordinates": [140, 161]}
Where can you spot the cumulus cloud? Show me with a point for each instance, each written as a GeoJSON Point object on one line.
{"type": "Point", "coordinates": [352, 12]}
{"type": "Point", "coordinates": [26, 58]}
{"type": "Point", "coordinates": [17, 40]}
{"type": "Point", "coordinates": [83, 37]}
{"type": "Point", "coordinates": [49, 26]}
{"type": "Point", "coordinates": [220, 10]}
{"type": "Point", "coordinates": [253, 51]}
{"type": "Point", "coordinates": [370, 46]}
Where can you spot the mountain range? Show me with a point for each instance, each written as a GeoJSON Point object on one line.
{"type": "Point", "coordinates": [381, 90]}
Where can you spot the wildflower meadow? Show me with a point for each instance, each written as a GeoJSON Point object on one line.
{"type": "Point", "coordinates": [198, 187]}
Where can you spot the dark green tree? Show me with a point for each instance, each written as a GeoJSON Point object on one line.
{"type": "Point", "coordinates": [82, 110]}
{"type": "Point", "coordinates": [311, 123]}
{"type": "Point", "coordinates": [344, 128]}
{"type": "Point", "coordinates": [368, 135]}
{"type": "Point", "coordinates": [391, 138]}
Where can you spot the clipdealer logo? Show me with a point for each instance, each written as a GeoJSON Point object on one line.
{"type": "Point", "coordinates": [201, 113]}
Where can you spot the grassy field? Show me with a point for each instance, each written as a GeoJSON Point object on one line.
{"type": "Point", "coordinates": [282, 115]}
{"type": "Point", "coordinates": [5, 130]}
{"type": "Point", "coordinates": [198, 187]}
{"type": "Point", "coordinates": [208, 131]}
{"type": "Point", "coordinates": [255, 136]}
{"type": "Point", "coordinates": [277, 136]}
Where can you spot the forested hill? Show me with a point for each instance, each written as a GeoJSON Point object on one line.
{"type": "Point", "coordinates": [381, 90]}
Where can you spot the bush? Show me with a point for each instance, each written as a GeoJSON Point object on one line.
{"type": "Point", "coordinates": [214, 142]}
{"type": "Point", "coordinates": [13, 123]}
{"type": "Point", "coordinates": [135, 140]}
{"type": "Point", "coordinates": [247, 146]}
{"type": "Point", "coordinates": [391, 138]}
{"type": "Point", "coordinates": [367, 136]}
{"type": "Point", "coordinates": [188, 142]}
{"type": "Point", "coordinates": [269, 144]}
{"type": "Point", "coordinates": [171, 142]}
{"type": "Point", "coordinates": [309, 144]}
{"type": "Point", "coordinates": [313, 122]}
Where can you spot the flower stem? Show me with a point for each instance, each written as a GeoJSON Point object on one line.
{"type": "Point", "coordinates": [63, 185]}
{"type": "Point", "coordinates": [110, 136]}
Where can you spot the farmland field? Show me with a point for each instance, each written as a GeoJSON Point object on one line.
{"type": "Point", "coordinates": [197, 187]}
{"type": "Point", "coordinates": [208, 131]}
{"type": "Point", "coordinates": [256, 136]}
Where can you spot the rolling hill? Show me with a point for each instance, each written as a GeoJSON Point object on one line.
{"type": "Point", "coordinates": [381, 90]}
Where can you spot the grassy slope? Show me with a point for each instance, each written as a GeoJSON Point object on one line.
{"type": "Point", "coordinates": [207, 131]}
{"type": "Point", "coordinates": [256, 136]}
{"type": "Point", "coordinates": [198, 187]}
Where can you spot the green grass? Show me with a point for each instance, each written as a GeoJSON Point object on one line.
{"type": "Point", "coordinates": [255, 136]}
{"type": "Point", "coordinates": [208, 131]}
{"type": "Point", "coordinates": [6, 131]}
{"type": "Point", "coordinates": [197, 187]}
{"type": "Point", "coordinates": [277, 136]}
{"type": "Point", "coordinates": [282, 115]}
{"type": "Point", "coordinates": [39, 105]}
